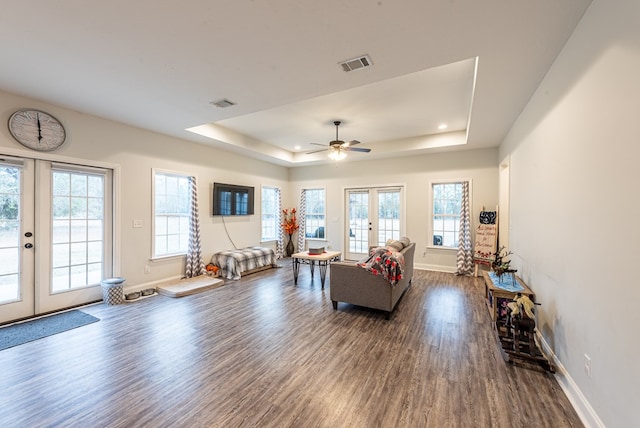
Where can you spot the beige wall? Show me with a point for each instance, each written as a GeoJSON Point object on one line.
{"type": "Point", "coordinates": [136, 152]}
{"type": "Point", "coordinates": [574, 208]}
{"type": "Point", "coordinates": [414, 173]}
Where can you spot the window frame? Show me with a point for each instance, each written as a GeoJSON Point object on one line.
{"type": "Point", "coordinates": [180, 175]}
{"type": "Point", "coordinates": [430, 228]}
{"type": "Point", "coordinates": [319, 223]}
{"type": "Point", "coordinates": [276, 214]}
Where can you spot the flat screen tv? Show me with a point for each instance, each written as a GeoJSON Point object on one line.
{"type": "Point", "coordinates": [232, 199]}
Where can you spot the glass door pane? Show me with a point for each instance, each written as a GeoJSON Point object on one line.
{"type": "Point", "coordinates": [10, 186]}
{"type": "Point", "coordinates": [388, 215]}
{"type": "Point", "coordinates": [359, 226]}
{"type": "Point", "coordinates": [16, 238]}
{"type": "Point", "coordinates": [77, 230]}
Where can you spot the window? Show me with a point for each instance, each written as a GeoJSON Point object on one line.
{"type": "Point", "coordinates": [171, 214]}
{"type": "Point", "coordinates": [446, 206]}
{"type": "Point", "coordinates": [270, 213]}
{"type": "Point", "coordinates": [315, 214]}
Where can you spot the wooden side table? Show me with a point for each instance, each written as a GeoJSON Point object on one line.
{"type": "Point", "coordinates": [516, 339]}
{"type": "Point", "coordinates": [323, 261]}
{"type": "Point", "coordinates": [497, 298]}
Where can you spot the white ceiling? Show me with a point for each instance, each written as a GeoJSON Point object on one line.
{"type": "Point", "coordinates": [158, 65]}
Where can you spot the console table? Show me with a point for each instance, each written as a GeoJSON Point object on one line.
{"type": "Point", "coordinates": [516, 339]}
{"type": "Point", "coordinates": [497, 298]}
{"type": "Point", "coordinates": [323, 261]}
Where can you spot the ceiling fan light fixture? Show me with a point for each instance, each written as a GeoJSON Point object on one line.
{"type": "Point", "coordinates": [336, 154]}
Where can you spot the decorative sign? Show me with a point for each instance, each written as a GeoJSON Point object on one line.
{"type": "Point", "coordinates": [486, 237]}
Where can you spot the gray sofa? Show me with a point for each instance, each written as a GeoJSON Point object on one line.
{"type": "Point", "coordinates": [350, 283]}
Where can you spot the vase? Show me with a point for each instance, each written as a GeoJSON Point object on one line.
{"type": "Point", "coordinates": [289, 248]}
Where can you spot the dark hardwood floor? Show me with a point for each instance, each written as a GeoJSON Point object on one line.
{"type": "Point", "coordinates": [264, 352]}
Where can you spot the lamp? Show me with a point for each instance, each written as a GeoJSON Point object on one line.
{"type": "Point", "coordinates": [336, 154]}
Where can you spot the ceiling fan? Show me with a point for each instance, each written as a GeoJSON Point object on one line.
{"type": "Point", "coordinates": [338, 149]}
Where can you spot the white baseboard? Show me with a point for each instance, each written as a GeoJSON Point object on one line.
{"type": "Point", "coordinates": [579, 402]}
{"type": "Point", "coordinates": [437, 268]}
{"type": "Point", "coordinates": [151, 284]}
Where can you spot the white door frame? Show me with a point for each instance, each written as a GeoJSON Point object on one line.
{"type": "Point", "coordinates": [33, 295]}
{"type": "Point", "coordinates": [373, 193]}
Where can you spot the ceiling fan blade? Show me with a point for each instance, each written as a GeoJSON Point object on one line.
{"type": "Point", "coordinates": [318, 144]}
{"type": "Point", "coordinates": [316, 151]}
{"type": "Point", "coordinates": [358, 149]}
{"type": "Point", "coordinates": [352, 143]}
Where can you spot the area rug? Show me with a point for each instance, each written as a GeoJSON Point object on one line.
{"type": "Point", "coordinates": [17, 334]}
{"type": "Point", "coordinates": [184, 287]}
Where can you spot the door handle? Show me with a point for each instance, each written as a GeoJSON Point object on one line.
{"type": "Point", "coordinates": [28, 234]}
{"type": "Point", "coordinates": [28, 245]}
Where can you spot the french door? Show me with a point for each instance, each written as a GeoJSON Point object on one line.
{"type": "Point", "coordinates": [55, 235]}
{"type": "Point", "coordinates": [375, 215]}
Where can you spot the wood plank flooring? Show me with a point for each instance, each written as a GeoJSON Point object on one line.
{"type": "Point", "coordinates": [263, 352]}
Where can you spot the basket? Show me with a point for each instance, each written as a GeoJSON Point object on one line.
{"type": "Point", "coordinates": [112, 291]}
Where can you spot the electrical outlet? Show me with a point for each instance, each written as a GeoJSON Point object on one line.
{"type": "Point", "coordinates": [147, 269]}
{"type": "Point", "coordinates": [587, 365]}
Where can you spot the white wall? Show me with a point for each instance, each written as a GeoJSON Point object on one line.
{"type": "Point", "coordinates": [574, 155]}
{"type": "Point", "coordinates": [137, 151]}
{"type": "Point", "coordinates": [414, 173]}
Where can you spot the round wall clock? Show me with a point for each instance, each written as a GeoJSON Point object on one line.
{"type": "Point", "coordinates": [36, 129]}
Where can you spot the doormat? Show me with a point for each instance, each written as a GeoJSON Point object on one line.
{"type": "Point", "coordinates": [17, 334]}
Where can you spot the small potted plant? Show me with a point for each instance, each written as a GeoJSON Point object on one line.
{"type": "Point", "coordinates": [501, 264]}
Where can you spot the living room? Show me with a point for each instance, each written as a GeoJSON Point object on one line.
{"type": "Point", "coordinates": [570, 144]}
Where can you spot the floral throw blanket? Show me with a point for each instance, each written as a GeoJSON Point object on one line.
{"type": "Point", "coordinates": [385, 261]}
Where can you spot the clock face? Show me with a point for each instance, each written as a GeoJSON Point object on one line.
{"type": "Point", "coordinates": [36, 130]}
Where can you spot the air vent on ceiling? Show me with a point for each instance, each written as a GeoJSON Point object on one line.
{"type": "Point", "coordinates": [356, 63]}
{"type": "Point", "coordinates": [223, 103]}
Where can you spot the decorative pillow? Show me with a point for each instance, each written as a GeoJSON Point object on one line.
{"type": "Point", "coordinates": [405, 241]}
{"type": "Point", "coordinates": [396, 245]}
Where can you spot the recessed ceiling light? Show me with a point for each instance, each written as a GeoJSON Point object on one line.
{"type": "Point", "coordinates": [297, 148]}
{"type": "Point", "coordinates": [442, 126]}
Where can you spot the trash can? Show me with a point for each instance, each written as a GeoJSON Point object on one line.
{"type": "Point", "coordinates": [112, 291]}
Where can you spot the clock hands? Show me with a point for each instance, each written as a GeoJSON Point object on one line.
{"type": "Point", "coordinates": [39, 130]}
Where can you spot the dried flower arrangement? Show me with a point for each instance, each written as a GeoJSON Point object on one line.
{"type": "Point", "coordinates": [290, 221]}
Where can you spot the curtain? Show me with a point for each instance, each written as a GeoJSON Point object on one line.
{"type": "Point", "coordinates": [280, 233]}
{"type": "Point", "coordinates": [465, 252]}
{"type": "Point", "coordinates": [302, 219]}
{"type": "Point", "coordinates": [195, 262]}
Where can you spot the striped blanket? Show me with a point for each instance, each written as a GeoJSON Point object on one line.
{"type": "Point", "coordinates": [232, 263]}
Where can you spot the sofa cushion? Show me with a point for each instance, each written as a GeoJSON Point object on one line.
{"type": "Point", "coordinates": [396, 245]}
{"type": "Point", "coordinates": [405, 241]}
